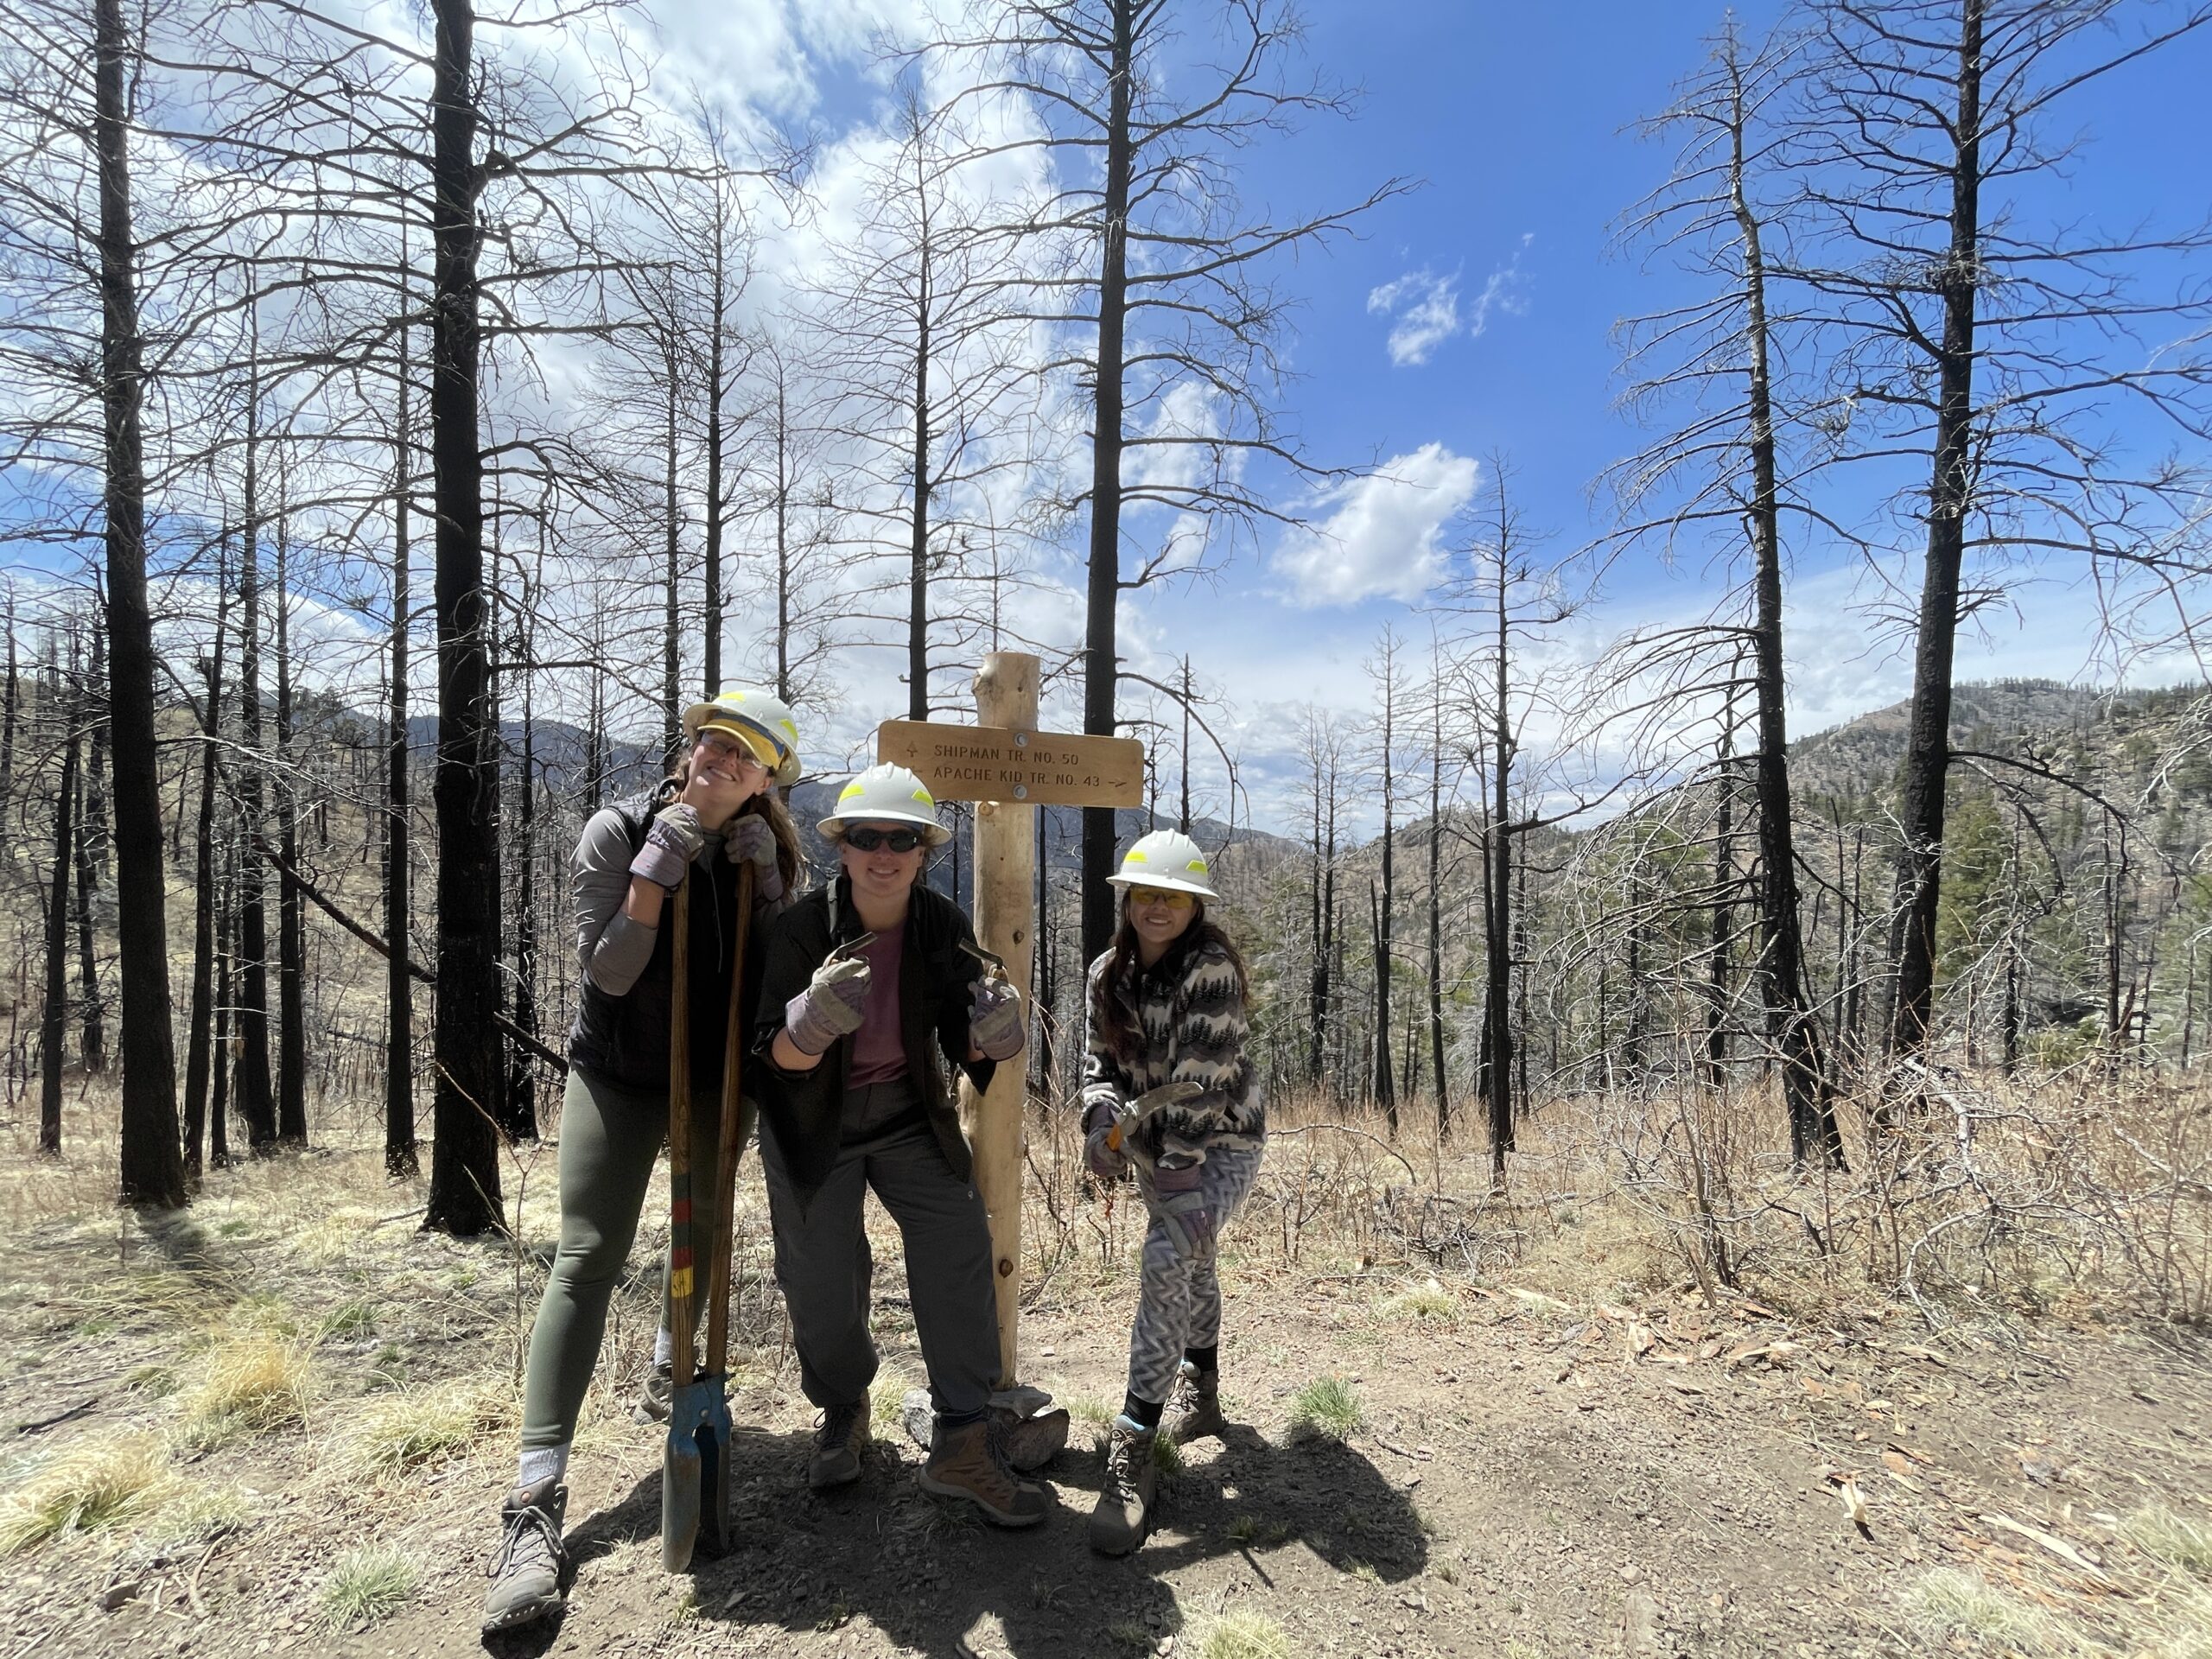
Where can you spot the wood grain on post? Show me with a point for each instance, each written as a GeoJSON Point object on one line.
{"type": "Point", "coordinates": [1006, 875]}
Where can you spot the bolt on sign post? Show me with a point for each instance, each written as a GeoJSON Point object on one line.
{"type": "Point", "coordinates": [1007, 767]}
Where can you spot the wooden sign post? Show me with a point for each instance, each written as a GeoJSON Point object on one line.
{"type": "Point", "coordinates": [1006, 766]}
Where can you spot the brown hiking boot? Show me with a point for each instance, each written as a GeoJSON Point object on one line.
{"type": "Point", "coordinates": [1195, 1411]}
{"type": "Point", "coordinates": [1031, 1442]}
{"type": "Point", "coordinates": [526, 1573]}
{"type": "Point", "coordinates": [970, 1461]}
{"type": "Point", "coordinates": [1118, 1525]}
{"type": "Point", "coordinates": [838, 1442]}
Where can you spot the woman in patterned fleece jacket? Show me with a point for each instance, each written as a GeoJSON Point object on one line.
{"type": "Point", "coordinates": [1167, 1027]}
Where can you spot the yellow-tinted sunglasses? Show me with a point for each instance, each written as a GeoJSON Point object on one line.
{"type": "Point", "coordinates": [1167, 896]}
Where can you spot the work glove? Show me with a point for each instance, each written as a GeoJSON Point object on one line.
{"type": "Point", "coordinates": [750, 840]}
{"type": "Point", "coordinates": [671, 843]}
{"type": "Point", "coordinates": [996, 1024]}
{"type": "Point", "coordinates": [1106, 1162]}
{"type": "Point", "coordinates": [1183, 1210]}
{"type": "Point", "coordinates": [832, 1006]}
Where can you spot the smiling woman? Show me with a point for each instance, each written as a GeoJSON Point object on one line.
{"type": "Point", "coordinates": [874, 989]}
{"type": "Point", "coordinates": [716, 814]}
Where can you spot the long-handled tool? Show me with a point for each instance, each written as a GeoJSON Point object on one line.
{"type": "Point", "coordinates": [694, 1469]}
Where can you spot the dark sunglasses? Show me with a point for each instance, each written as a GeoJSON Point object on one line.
{"type": "Point", "coordinates": [898, 841]}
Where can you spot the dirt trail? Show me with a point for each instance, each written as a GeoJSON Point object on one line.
{"type": "Point", "coordinates": [1533, 1478]}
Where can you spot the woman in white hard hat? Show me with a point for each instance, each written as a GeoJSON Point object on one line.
{"type": "Point", "coordinates": [718, 811]}
{"type": "Point", "coordinates": [1166, 1085]}
{"type": "Point", "coordinates": [871, 994]}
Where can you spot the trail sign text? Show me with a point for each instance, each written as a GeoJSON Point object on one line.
{"type": "Point", "coordinates": [992, 763]}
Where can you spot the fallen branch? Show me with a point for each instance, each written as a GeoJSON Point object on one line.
{"type": "Point", "coordinates": [376, 943]}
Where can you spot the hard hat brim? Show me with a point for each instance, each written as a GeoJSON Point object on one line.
{"type": "Point", "coordinates": [1164, 883]}
{"type": "Point", "coordinates": [767, 748]}
{"type": "Point", "coordinates": [933, 832]}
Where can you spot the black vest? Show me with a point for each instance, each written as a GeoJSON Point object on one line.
{"type": "Point", "coordinates": [625, 1038]}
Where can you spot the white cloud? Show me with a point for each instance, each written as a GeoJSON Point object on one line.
{"type": "Point", "coordinates": [1426, 308]}
{"type": "Point", "coordinates": [1384, 537]}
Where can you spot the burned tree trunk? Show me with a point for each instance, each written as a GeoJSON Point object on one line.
{"type": "Point", "coordinates": [53, 1027]}
{"type": "Point", "coordinates": [469, 1056]}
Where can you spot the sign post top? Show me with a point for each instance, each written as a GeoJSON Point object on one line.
{"type": "Point", "coordinates": [997, 763]}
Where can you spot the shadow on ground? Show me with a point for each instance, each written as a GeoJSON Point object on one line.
{"type": "Point", "coordinates": [932, 1578]}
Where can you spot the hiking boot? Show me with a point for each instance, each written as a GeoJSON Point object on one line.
{"type": "Point", "coordinates": [970, 1461]}
{"type": "Point", "coordinates": [1118, 1525]}
{"type": "Point", "coordinates": [1196, 1407]}
{"type": "Point", "coordinates": [1031, 1442]}
{"type": "Point", "coordinates": [838, 1443]}
{"type": "Point", "coordinates": [526, 1573]}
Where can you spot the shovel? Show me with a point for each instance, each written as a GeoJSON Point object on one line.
{"type": "Point", "coordinates": [695, 1467]}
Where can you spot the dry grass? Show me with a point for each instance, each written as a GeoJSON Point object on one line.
{"type": "Point", "coordinates": [1427, 1301]}
{"type": "Point", "coordinates": [415, 1427]}
{"type": "Point", "coordinates": [1245, 1634]}
{"type": "Point", "coordinates": [1955, 1607]}
{"type": "Point", "coordinates": [250, 1384]}
{"type": "Point", "coordinates": [2171, 1539]}
{"type": "Point", "coordinates": [93, 1483]}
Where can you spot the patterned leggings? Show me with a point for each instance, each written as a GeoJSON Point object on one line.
{"type": "Point", "coordinates": [1178, 1305]}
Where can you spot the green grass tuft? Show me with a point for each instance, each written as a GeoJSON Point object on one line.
{"type": "Point", "coordinates": [1328, 1408]}
{"type": "Point", "coordinates": [1430, 1301]}
{"type": "Point", "coordinates": [368, 1586]}
{"type": "Point", "coordinates": [349, 1321]}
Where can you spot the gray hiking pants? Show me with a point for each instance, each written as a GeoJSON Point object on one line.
{"type": "Point", "coordinates": [610, 1136]}
{"type": "Point", "coordinates": [1179, 1301]}
{"type": "Point", "coordinates": [824, 1265]}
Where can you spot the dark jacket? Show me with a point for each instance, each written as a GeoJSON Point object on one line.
{"type": "Point", "coordinates": [805, 1110]}
{"type": "Point", "coordinates": [625, 1038]}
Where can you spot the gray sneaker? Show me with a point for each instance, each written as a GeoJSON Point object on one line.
{"type": "Point", "coordinates": [526, 1573]}
{"type": "Point", "coordinates": [838, 1443]}
{"type": "Point", "coordinates": [1127, 1495]}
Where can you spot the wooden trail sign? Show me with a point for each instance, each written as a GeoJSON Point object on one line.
{"type": "Point", "coordinates": [1015, 765]}
{"type": "Point", "coordinates": [1007, 767]}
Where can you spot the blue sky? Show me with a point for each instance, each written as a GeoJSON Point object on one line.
{"type": "Point", "coordinates": [1519, 118]}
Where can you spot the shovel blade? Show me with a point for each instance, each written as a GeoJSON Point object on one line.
{"type": "Point", "coordinates": [695, 1473]}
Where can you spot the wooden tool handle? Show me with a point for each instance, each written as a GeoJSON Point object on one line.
{"type": "Point", "coordinates": [730, 1144]}
{"type": "Point", "coordinates": [682, 1312]}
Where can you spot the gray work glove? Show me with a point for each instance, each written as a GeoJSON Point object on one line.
{"type": "Point", "coordinates": [750, 840]}
{"type": "Point", "coordinates": [1183, 1208]}
{"type": "Point", "coordinates": [832, 1006]}
{"type": "Point", "coordinates": [671, 843]}
{"type": "Point", "coordinates": [996, 1024]}
{"type": "Point", "coordinates": [1106, 1162]}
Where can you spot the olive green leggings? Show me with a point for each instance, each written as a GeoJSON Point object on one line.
{"type": "Point", "coordinates": [610, 1136]}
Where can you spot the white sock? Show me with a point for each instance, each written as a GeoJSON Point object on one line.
{"type": "Point", "coordinates": [663, 1347]}
{"type": "Point", "coordinates": [540, 1461]}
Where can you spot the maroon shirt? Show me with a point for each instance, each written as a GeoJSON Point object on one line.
{"type": "Point", "coordinates": [879, 1050]}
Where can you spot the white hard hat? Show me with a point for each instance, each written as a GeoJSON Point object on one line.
{"type": "Point", "coordinates": [760, 720]}
{"type": "Point", "coordinates": [886, 794]}
{"type": "Point", "coordinates": [1166, 858]}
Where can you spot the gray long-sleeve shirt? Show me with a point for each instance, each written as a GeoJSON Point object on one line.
{"type": "Point", "coordinates": [611, 948]}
